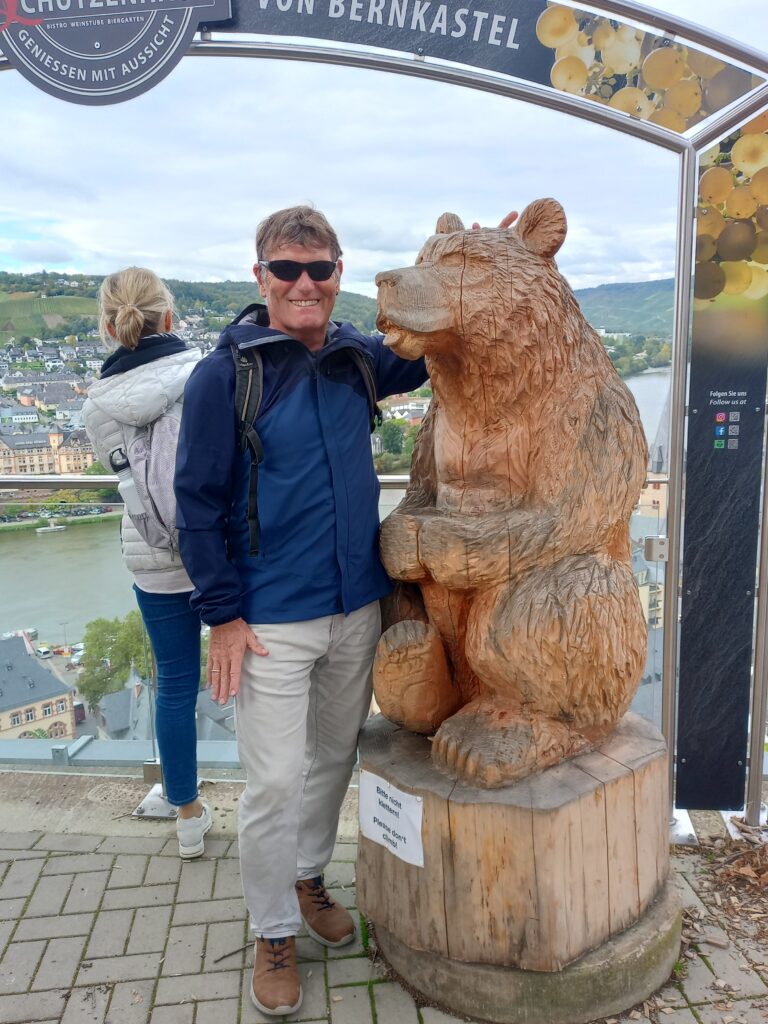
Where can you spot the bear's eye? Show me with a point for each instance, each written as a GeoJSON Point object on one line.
{"type": "Point", "coordinates": [452, 259]}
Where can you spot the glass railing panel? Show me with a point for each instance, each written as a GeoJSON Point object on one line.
{"type": "Point", "coordinates": [62, 570]}
{"type": "Point", "coordinates": [57, 582]}
{"type": "Point", "coordinates": [63, 574]}
{"type": "Point", "coordinates": [650, 520]}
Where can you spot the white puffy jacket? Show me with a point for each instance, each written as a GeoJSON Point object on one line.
{"type": "Point", "coordinates": [136, 398]}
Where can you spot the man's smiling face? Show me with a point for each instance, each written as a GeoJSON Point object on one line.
{"type": "Point", "coordinates": [300, 309]}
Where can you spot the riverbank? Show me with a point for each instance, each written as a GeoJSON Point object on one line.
{"type": "Point", "coordinates": [33, 524]}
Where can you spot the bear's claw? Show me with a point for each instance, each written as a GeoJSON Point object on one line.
{"type": "Point", "coordinates": [485, 744]}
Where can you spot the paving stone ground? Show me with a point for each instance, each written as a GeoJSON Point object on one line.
{"type": "Point", "coordinates": [117, 930]}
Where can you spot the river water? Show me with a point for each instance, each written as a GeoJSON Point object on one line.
{"type": "Point", "coordinates": [60, 581]}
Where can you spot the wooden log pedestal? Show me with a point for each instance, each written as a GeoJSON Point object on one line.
{"type": "Point", "coordinates": [545, 902]}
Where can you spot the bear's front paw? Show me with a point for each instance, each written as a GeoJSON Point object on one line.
{"type": "Point", "coordinates": [464, 552]}
{"type": "Point", "coordinates": [399, 545]}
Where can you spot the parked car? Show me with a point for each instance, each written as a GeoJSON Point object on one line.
{"type": "Point", "coordinates": [44, 652]}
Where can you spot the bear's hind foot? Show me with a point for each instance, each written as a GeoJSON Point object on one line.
{"type": "Point", "coordinates": [411, 677]}
{"type": "Point", "coordinates": [487, 744]}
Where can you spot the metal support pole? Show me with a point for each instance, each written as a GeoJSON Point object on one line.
{"type": "Point", "coordinates": [760, 677]}
{"type": "Point", "coordinates": [680, 345]}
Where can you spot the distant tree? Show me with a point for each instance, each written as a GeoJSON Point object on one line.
{"type": "Point", "coordinates": [384, 463]}
{"type": "Point", "coordinates": [112, 646]}
{"type": "Point", "coordinates": [391, 434]}
{"type": "Point", "coordinates": [664, 356]}
{"type": "Point", "coordinates": [63, 497]}
{"type": "Point", "coordinates": [103, 493]}
{"type": "Point", "coordinates": [410, 440]}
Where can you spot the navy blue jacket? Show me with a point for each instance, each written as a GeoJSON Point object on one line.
{"type": "Point", "coordinates": [318, 493]}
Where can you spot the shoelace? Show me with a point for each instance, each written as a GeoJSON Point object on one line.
{"type": "Point", "coordinates": [278, 950]}
{"type": "Point", "coordinates": [320, 896]}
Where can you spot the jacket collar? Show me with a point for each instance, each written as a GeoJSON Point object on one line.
{"type": "Point", "coordinates": [256, 317]}
{"type": "Point", "coordinates": [154, 346]}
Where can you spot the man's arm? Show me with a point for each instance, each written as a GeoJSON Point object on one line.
{"type": "Point", "coordinates": [395, 375]}
{"type": "Point", "coordinates": [207, 463]}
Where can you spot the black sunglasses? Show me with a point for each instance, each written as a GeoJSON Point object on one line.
{"type": "Point", "coordinates": [291, 270]}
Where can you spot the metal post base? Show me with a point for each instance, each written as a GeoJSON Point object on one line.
{"type": "Point", "coordinates": [155, 805]}
{"type": "Point", "coordinates": [733, 831]}
{"type": "Point", "coordinates": [681, 830]}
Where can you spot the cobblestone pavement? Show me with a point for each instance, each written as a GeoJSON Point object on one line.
{"type": "Point", "coordinates": [117, 930]}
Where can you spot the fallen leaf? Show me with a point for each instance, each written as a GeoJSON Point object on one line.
{"type": "Point", "coordinates": [337, 999]}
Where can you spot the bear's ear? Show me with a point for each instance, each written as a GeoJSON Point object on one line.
{"type": "Point", "coordinates": [542, 227]}
{"type": "Point", "coordinates": [448, 222]}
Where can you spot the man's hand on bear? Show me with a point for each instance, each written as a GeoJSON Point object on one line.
{"type": "Point", "coordinates": [506, 222]}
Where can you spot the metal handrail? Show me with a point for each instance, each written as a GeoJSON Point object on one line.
{"type": "Point", "coordinates": [52, 482]}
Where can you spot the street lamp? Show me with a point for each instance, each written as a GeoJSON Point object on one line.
{"type": "Point", "coordinates": [64, 627]}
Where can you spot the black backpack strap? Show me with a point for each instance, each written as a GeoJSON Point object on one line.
{"type": "Point", "coordinates": [249, 389]}
{"type": "Point", "coordinates": [365, 366]}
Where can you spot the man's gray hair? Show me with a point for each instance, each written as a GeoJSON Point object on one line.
{"type": "Point", "coordinates": [296, 225]}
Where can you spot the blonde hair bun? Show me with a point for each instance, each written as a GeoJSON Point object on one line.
{"type": "Point", "coordinates": [133, 302]}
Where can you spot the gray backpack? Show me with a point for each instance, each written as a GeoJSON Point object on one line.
{"type": "Point", "coordinates": [145, 466]}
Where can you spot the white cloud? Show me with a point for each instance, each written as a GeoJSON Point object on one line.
{"type": "Point", "coordinates": [179, 178]}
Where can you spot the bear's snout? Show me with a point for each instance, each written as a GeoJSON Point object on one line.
{"type": "Point", "coordinates": [413, 299]}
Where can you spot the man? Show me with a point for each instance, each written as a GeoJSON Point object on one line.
{"type": "Point", "coordinates": [294, 627]}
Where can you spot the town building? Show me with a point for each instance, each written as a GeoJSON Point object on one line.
{"type": "Point", "coordinates": [18, 415]}
{"type": "Point", "coordinates": [34, 703]}
{"type": "Point", "coordinates": [51, 451]}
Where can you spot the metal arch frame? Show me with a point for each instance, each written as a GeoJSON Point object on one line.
{"type": "Point", "coordinates": [687, 147]}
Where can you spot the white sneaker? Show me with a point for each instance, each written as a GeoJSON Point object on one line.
{"type": "Point", "coordinates": [190, 833]}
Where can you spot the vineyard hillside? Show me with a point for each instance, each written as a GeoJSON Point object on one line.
{"type": "Point", "coordinates": [638, 308]}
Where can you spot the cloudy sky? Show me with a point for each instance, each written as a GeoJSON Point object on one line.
{"type": "Point", "coordinates": [178, 179]}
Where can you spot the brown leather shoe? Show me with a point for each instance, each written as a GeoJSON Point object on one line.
{"type": "Point", "coordinates": [275, 988]}
{"type": "Point", "coordinates": [326, 920]}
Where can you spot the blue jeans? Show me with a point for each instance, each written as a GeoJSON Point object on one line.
{"type": "Point", "coordinates": [174, 632]}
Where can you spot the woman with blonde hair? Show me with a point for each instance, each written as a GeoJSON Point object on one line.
{"type": "Point", "coordinates": [131, 415]}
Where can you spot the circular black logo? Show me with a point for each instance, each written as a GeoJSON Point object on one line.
{"type": "Point", "coordinates": [100, 51]}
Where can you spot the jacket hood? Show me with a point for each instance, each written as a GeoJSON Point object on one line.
{"type": "Point", "coordinates": [140, 395]}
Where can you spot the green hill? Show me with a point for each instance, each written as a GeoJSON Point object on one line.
{"type": "Point", "coordinates": [643, 307]}
{"type": "Point", "coordinates": [25, 315]}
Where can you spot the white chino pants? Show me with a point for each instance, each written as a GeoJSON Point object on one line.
{"type": "Point", "coordinates": [298, 714]}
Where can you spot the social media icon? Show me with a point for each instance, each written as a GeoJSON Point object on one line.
{"type": "Point", "coordinates": [719, 431]}
{"type": "Point", "coordinates": [720, 417]}
{"type": "Point", "coordinates": [719, 444]}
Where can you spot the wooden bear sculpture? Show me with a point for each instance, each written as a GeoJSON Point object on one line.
{"type": "Point", "coordinates": [524, 641]}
